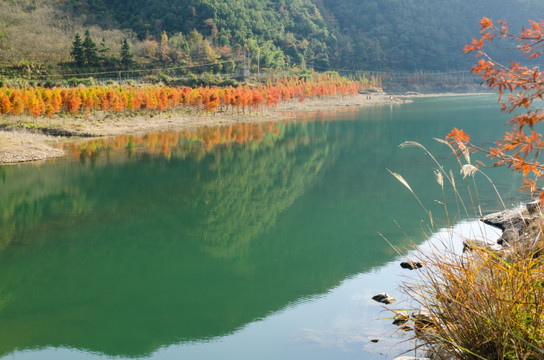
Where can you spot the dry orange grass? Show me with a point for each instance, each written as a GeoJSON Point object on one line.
{"type": "Point", "coordinates": [485, 303]}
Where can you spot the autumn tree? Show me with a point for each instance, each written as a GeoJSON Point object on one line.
{"type": "Point", "coordinates": [164, 51]}
{"type": "Point", "coordinates": [521, 91]}
{"type": "Point", "coordinates": [17, 103]}
{"type": "Point", "coordinates": [5, 104]}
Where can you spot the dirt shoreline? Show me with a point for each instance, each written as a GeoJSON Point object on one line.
{"type": "Point", "coordinates": [20, 144]}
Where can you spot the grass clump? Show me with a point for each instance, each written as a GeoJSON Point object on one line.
{"type": "Point", "coordinates": [483, 304]}
{"type": "Point", "coordinates": [488, 301]}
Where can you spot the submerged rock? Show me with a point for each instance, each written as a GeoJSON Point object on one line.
{"type": "Point", "coordinates": [384, 298]}
{"type": "Point", "coordinates": [401, 318]}
{"type": "Point", "coordinates": [423, 322]}
{"type": "Point", "coordinates": [423, 316]}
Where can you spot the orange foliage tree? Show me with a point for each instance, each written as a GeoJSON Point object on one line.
{"type": "Point", "coordinates": [40, 101]}
{"type": "Point", "coordinates": [521, 91]}
{"type": "Point", "coordinates": [5, 104]}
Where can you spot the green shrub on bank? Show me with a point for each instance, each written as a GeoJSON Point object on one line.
{"type": "Point", "coordinates": [192, 80]}
{"type": "Point", "coordinates": [75, 82]}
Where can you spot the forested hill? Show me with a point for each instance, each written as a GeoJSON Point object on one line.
{"type": "Point", "coordinates": [290, 29]}
{"type": "Point", "coordinates": [385, 35]}
{"type": "Point", "coordinates": [351, 34]}
{"type": "Point", "coordinates": [417, 34]}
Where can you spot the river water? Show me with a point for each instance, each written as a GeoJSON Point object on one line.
{"type": "Point", "coordinates": [244, 242]}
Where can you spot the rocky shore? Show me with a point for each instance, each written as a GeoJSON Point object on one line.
{"type": "Point", "coordinates": [521, 237]}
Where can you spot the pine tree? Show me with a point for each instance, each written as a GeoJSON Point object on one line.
{"type": "Point", "coordinates": [104, 50]}
{"type": "Point", "coordinates": [77, 52]}
{"type": "Point", "coordinates": [89, 49]}
{"type": "Point", "coordinates": [126, 55]}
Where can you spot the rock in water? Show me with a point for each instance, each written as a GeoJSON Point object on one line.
{"type": "Point", "coordinates": [423, 316]}
{"type": "Point", "coordinates": [384, 298]}
{"type": "Point", "coordinates": [411, 265]}
{"type": "Point", "coordinates": [504, 219]}
{"type": "Point", "coordinates": [472, 244]}
{"type": "Point", "coordinates": [423, 321]}
{"type": "Point", "coordinates": [533, 207]}
{"type": "Point", "coordinates": [516, 223]}
{"type": "Point", "coordinates": [401, 318]}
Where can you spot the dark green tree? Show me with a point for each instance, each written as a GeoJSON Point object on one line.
{"type": "Point", "coordinates": [104, 54]}
{"type": "Point", "coordinates": [90, 50]}
{"type": "Point", "coordinates": [77, 52]}
{"type": "Point", "coordinates": [126, 55]}
{"type": "Point", "coordinates": [104, 49]}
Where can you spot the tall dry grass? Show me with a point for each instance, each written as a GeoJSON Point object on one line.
{"type": "Point", "coordinates": [486, 302]}
{"type": "Point", "coordinates": [483, 304]}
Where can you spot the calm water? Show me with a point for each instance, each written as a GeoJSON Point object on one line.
{"type": "Point", "coordinates": [246, 242]}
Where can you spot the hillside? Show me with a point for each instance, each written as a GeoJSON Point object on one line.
{"type": "Point", "coordinates": [37, 36]}
{"type": "Point", "coordinates": [294, 26]}
{"type": "Point", "coordinates": [416, 35]}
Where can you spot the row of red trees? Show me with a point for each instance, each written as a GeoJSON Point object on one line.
{"type": "Point", "coordinates": [43, 101]}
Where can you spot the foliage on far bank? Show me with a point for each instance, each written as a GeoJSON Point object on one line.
{"type": "Point", "coordinates": [82, 100]}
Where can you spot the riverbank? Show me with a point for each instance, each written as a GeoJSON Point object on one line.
{"type": "Point", "coordinates": [24, 138]}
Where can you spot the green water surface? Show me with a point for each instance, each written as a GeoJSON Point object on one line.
{"type": "Point", "coordinates": [264, 249]}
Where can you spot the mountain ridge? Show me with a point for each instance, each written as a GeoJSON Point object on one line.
{"type": "Point", "coordinates": [347, 35]}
